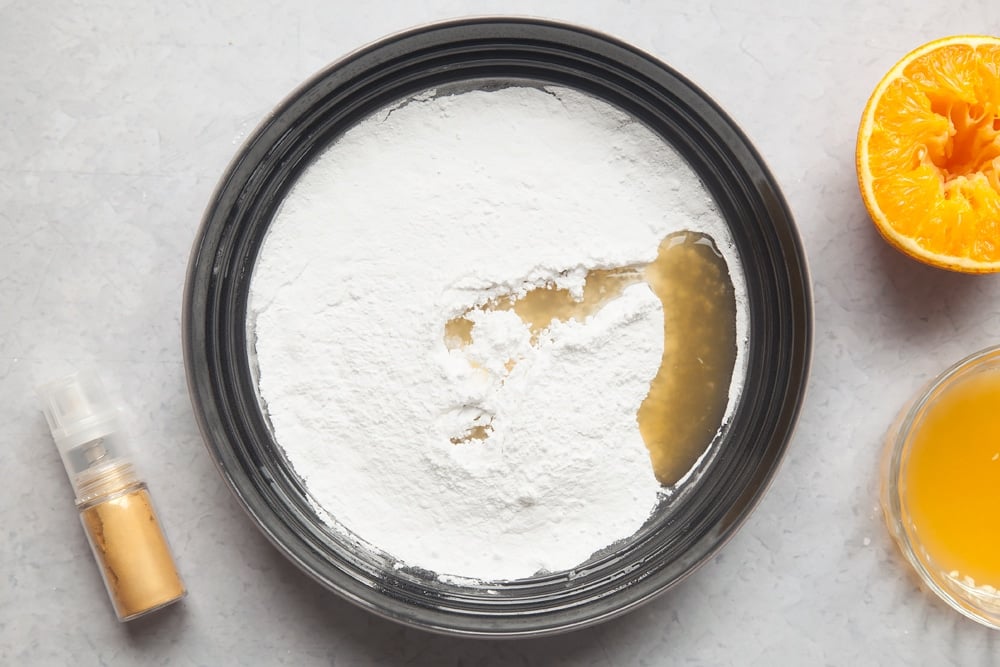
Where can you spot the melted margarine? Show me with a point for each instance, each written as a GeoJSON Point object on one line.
{"type": "Point", "coordinates": [687, 397]}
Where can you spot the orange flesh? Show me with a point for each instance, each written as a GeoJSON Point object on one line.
{"type": "Point", "coordinates": [951, 482]}
{"type": "Point", "coordinates": [933, 155]}
{"type": "Point", "coordinates": [687, 398]}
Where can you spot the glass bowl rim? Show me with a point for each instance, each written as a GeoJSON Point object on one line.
{"type": "Point", "coordinates": [898, 438]}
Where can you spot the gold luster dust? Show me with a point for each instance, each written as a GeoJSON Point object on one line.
{"type": "Point", "coordinates": [687, 397]}
{"type": "Point", "coordinates": [133, 553]}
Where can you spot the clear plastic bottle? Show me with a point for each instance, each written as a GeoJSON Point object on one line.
{"type": "Point", "coordinates": [114, 504]}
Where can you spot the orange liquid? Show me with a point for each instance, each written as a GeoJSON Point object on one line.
{"type": "Point", "coordinates": [951, 482]}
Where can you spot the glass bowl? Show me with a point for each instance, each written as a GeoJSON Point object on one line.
{"type": "Point", "coordinates": [980, 603]}
{"type": "Point", "coordinates": [681, 534]}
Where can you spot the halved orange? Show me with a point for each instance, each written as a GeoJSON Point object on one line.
{"type": "Point", "coordinates": [928, 154]}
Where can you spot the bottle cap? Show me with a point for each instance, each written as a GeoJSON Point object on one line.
{"type": "Point", "coordinates": [84, 425]}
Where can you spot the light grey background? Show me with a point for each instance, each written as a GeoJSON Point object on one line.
{"type": "Point", "coordinates": [117, 118]}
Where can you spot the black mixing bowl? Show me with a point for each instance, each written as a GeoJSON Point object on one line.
{"type": "Point", "coordinates": [683, 533]}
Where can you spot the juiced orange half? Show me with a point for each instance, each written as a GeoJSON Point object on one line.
{"type": "Point", "coordinates": [928, 154]}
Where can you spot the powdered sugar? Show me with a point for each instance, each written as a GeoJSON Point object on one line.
{"type": "Point", "coordinates": [420, 213]}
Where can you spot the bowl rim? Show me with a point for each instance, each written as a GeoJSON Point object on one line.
{"type": "Point", "coordinates": [216, 412]}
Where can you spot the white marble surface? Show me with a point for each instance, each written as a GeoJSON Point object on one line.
{"type": "Point", "coordinates": [116, 120]}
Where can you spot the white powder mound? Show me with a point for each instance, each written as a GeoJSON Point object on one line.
{"type": "Point", "coordinates": [417, 214]}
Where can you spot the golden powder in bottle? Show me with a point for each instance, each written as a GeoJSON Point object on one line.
{"type": "Point", "coordinates": [135, 559]}
{"type": "Point", "coordinates": [115, 508]}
